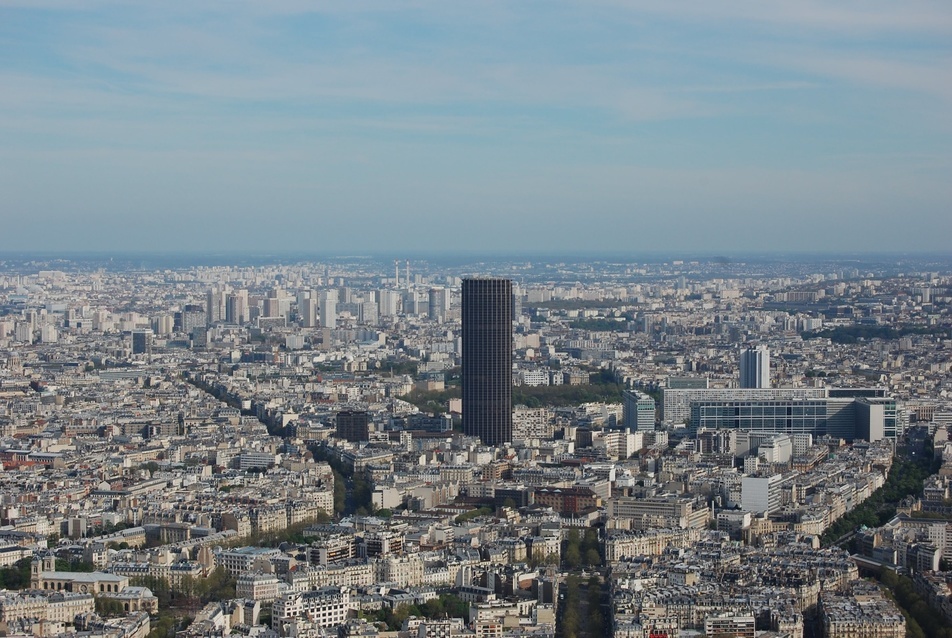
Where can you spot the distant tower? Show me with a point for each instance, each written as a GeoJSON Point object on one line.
{"type": "Point", "coordinates": [236, 307]}
{"type": "Point", "coordinates": [487, 359]}
{"type": "Point", "coordinates": [308, 309]}
{"type": "Point", "coordinates": [353, 426]}
{"type": "Point", "coordinates": [329, 309]}
{"type": "Point", "coordinates": [396, 273]}
{"type": "Point", "coordinates": [142, 342]}
{"type": "Point", "coordinates": [439, 303]}
{"type": "Point", "coordinates": [215, 306]}
{"type": "Point", "coordinates": [755, 367]}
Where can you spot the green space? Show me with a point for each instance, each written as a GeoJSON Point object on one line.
{"type": "Point", "coordinates": [468, 516]}
{"type": "Point", "coordinates": [570, 616]}
{"type": "Point", "coordinates": [16, 576]}
{"type": "Point", "coordinates": [353, 492]}
{"type": "Point", "coordinates": [575, 304]}
{"type": "Point", "coordinates": [446, 606]}
{"type": "Point", "coordinates": [192, 593]}
{"type": "Point", "coordinates": [601, 388]}
{"type": "Point", "coordinates": [400, 367]}
{"type": "Point", "coordinates": [582, 550]}
{"type": "Point", "coordinates": [601, 325]}
{"type": "Point", "coordinates": [854, 334]}
{"type": "Point", "coordinates": [433, 401]}
{"type": "Point", "coordinates": [922, 621]}
{"type": "Point", "coordinates": [167, 624]}
{"type": "Point", "coordinates": [566, 395]}
{"type": "Point", "coordinates": [580, 620]}
{"type": "Point", "coordinates": [543, 396]}
{"type": "Point", "coordinates": [905, 479]}
{"type": "Point", "coordinates": [291, 534]}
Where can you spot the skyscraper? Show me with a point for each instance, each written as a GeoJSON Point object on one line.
{"type": "Point", "coordinates": [755, 367]}
{"type": "Point", "coordinates": [141, 342]}
{"type": "Point", "coordinates": [353, 426]}
{"type": "Point", "coordinates": [439, 303]}
{"type": "Point", "coordinates": [308, 310]}
{"type": "Point", "coordinates": [639, 411]}
{"type": "Point", "coordinates": [329, 309]}
{"type": "Point", "coordinates": [236, 307]}
{"type": "Point", "coordinates": [214, 306]}
{"type": "Point", "coordinates": [487, 359]}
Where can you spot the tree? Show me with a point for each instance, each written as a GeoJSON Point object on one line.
{"type": "Point", "coordinates": [573, 556]}
{"type": "Point", "coordinates": [152, 467]}
{"type": "Point", "coordinates": [340, 493]}
{"type": "Point", "coordinates": [107, 607]}
{"type": "Point", "coordinates": [592, 557]}
{"type": "Point", "coordinates": [16, 576]}
{"type": "Point", "coordinates": [63, 565]}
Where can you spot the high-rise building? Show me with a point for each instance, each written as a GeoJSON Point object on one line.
{"type": "Point", "coordinates": [215, 306]}
{"type": "Point", "coordinates": [271, 307]}
{"type": "Point", "coordinates": [163, 325]}
{"type": "Point", "coordinates": [755, 367]}
{"type": "Point", "coordinates": [308, 311]}
{"type": "Point", "coordinates": [389, 301]}
{"type": "Point", "coordinates": [639, 411]}
{"type": "Point", "coordinates": [487, 359]}
{"type": "Point", "coordinates": [142, 342]}
{"type": "Point", "coordinates": [411, 304]}
{"type": "Point", "coordinates": [23, 332]}
{"type": "Point", "coordinates": [367, 313]}
{"type": "Point", "coordinates": [439, 303]}
{"type": "Point", "coordinates": [353, 426]}
{"type": "Point", "coordinates": [329, 309]}
{"type": "Point", "coordinates": [192, 316]}
{"type": "Point", "coordinates": [236, 307]}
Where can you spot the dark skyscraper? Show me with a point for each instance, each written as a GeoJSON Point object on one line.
{"type": "Point", "coordinates": [353, 426]}
{"type": "Point", "coordinates": [487, 359]}
{"type": "Point", "coordinates": [141, 342]}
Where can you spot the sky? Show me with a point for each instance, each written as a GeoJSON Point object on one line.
{"type": "Point", "coordinates": [476, 127]}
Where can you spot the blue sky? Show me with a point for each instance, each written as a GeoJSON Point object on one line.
{"type": "Point", "coordinates": [476, 127]}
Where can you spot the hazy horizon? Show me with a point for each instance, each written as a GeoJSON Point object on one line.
{"type": "Point", "coordinates": [418, 127]}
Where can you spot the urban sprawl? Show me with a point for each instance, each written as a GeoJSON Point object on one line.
{"type": "Point", "coordinates": [364, 448]}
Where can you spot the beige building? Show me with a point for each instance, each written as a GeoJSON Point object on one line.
{"type": "Point", "coordinates": [860, 612]}
{"type": "Point", "coordinates": [48, 606]}
{"type": "Point", "coordinates": [43, 576]}
{"type": "Point", "coordinates": [257, 586]}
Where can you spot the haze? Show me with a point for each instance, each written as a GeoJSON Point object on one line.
{"type": "Point", "coordinates": [475, 127]}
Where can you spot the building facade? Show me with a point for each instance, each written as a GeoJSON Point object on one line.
{"type": "Point", "coordinates": [487, 359]}
{"type": "Point", "coordinates": [755, 367]}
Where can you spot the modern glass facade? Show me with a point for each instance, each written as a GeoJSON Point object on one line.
{"type": "Point", "coordinates": [843, 417]}
{"type": "Point", "coordinates": [805, 416]}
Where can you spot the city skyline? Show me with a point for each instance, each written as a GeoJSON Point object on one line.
{"type": "Point", "coordinates": [582, 128]}
{"type": "Point", "coordinates": [302, 436]}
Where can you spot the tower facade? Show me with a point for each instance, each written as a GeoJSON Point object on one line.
{"type": "Point", "coordinates": [142, 342]}
{"type": "Point", "coordinates": [328, 312]}
{"type": "Point", "coordinates": [755, 367]}
{"type": "Point", "coordinates": [353, 426]}
{"type": "Point", "coordinates": [487, 359]}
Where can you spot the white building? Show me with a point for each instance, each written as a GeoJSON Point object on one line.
{"type": "Point", "coordinates": [755, 367]}
{"type": "Point", "coordinates": [326, 607]}
{"type": "Point", "coordinates": [761, 495]}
